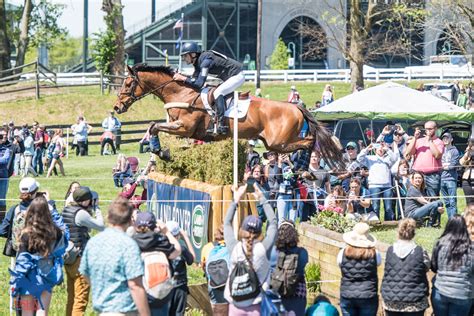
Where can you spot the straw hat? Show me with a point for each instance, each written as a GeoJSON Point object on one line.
{"type": "Point", "coordinates": [360, 237]}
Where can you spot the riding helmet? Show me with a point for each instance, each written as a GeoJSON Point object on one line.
{"type": "Point", "coordinates": [190, 47]}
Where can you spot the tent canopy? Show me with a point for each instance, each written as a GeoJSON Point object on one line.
{"type": "Point", "coordinates": [393, 101]}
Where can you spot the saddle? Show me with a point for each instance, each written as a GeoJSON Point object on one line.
{"type": "Point", "coordinates": [211, 99]}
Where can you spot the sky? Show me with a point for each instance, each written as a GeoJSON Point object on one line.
{"type": "Point", "coordinates": [134, 12]}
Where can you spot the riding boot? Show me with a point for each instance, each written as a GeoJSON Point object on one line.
{"type": "Point", "coordinates": [3, 212]}
{"type": "Point", "coordinates": [222, 127]}
{"type": "Point", "coordinates": [155, 148]}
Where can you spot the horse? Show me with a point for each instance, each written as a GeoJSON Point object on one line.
{"type": "Point", "coordinates": [276, 124]}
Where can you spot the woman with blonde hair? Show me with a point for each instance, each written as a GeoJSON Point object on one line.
{"type": "Point", "coordinates": [404, 284]}
{"type": "Point", "coordinates": [248, 256]}
{"type": "Point", "coordinates": [469, 217]}
{"type": "Point", "coordinates": [58, 147]}
{"type": "Point", "coordinates": [327, 96]}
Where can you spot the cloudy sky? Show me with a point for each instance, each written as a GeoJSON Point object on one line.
{"type": "Point", "coordinates": [135, 12]}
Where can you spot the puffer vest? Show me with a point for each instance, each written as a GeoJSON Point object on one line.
{"type": "Point", "coordinates": [359, 278]}
{"type": "Point", "coordinates": [404, 279]}
{"type": "Point", "coordinates": [79, 235]}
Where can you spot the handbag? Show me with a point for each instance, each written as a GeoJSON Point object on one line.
{"type": "Point", "coordinates": [71, 253]}
{"type": "Point", "coordinates": [8, 248]}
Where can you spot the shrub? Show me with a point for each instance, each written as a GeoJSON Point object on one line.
{"type": "Point", "coordinates": [211, 163]}
{"type": "Point", "coordinates": [332, 221]}
{"type": "Point", "coordinates": [313, 276]}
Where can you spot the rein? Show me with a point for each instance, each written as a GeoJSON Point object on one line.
{"type": "Point", "coordinates": [136, 81]}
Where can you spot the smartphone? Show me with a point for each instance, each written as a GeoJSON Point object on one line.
{"type": "Point", "coordinates": [250, 183]}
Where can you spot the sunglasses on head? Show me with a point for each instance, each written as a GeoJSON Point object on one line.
{"type": "Point", "coordinates": [350, 148]}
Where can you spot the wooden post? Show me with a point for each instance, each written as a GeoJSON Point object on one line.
{"type": "Point", "coordinates": [37, 86]}
{"type": "Point", "coordinates": [101, 83]}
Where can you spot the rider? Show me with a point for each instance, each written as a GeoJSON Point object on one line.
{"type": "Point", "coordinates": [219, 65]}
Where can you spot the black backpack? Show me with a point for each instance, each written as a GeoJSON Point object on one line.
{"type": "Point", "coordinates": [284, 279]}
{"type": "Point", "coordinates": [243, 281]}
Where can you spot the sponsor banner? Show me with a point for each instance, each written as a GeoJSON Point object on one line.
{"type": "Point", "coordinates": [190, 208]}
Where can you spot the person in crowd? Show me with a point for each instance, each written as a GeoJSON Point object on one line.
{"type": "Point", "coordinates": [107, 143]}
{"type": "Point", "coordinates": [327, 96]}
{"type": "Point", "coordinates": [152, 235]}
{"type": "Point", "coordinates": [58, 152]}
{"type": "Point", "coordinates": [5, 156]}
{"type": "Point", "coordinates": [449, 175]}
{"type": "Point", "coordinates": [293, 95]}
{"type": "Point", "coordinates": [18, 149]}
{"type": "Point", "coordinates": [427, 152]}
{"type": "Point", "coordinates": [418, 205]}
{"type": "Point", "coordinates": [180, 292]}
{"type": "Point", "coordinates": [80, 131]}
{"type": "Point", "coordinates": [470, 96]}
{"type": "Point", "coordinates": [257, 173]}
{"type": "Point", "coordinates": [380, 177]}
{"type": "Point", "coordinates": [39, 141]}
{"type": "Point", "coordinates": [462, 100]}
{"type": "Point", "coordinates": [358, 201]}
{"type": "Point", "coordinates": [112, 264]}
{"type": "Point", "coordinates": [316, 180]}
{"type": "Point", "coordinates": [387, 133]}
{"type": "Point", "coordinates": [145, 141]}
{"type": "Point", "coordinates": [129, 188]}
{"type": "Point", "coordinates": [38, 265]}
{"type": "Point", "coordinates": [286, 206]}
{"type": "Point", "coordinates": [337, 198]}
{"type": "Point", "coordinates": [317, 104]}
{"type": "Point", "coordinates": [258, 93]}
{"type": "Point", "coordinates": [249, 250]}
{"type": "Point", "coordinates": [68, 198]}
{"type": "Point", "coordinates": [455, 89]}
{"type": "Point", "coordinates": [405, 285]}
{"type": "Point", "coordinates": [253, 158]}
{"type": "Point", "coordinates": [322, 307]}
{"type": "Point", "coordinates": [272, 174]}
{"type": "Point", "coordinates": [467, 160]}
{"type": "Point", "coordinates": [113, 125]}
{"type": "Point", "coordinates": [353, 165]}
{"type": "Point", "coordinates": [220, 307]}
{"type": "Point", "coordinates": [14, 220]}
{"type": "Point", "coordinates": [453, 263]}
{"type": "Point", "coordinates": [358, 262]}
{"type": "Point", "coordinates": [28, 154]}
{"type": "Point", "coordinates": [469, 218]}
{"type": "Point", "coordinates": [80, 217]}
{"type": "Point", "coordinates": [287, 245]}
{"type": "Point", "coordinates": [402, 182]}
{"type": "Point", "coordinates": [121, 170]}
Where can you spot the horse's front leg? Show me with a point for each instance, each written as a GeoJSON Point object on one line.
{"type": "Point", "coordinates": [174, 128]}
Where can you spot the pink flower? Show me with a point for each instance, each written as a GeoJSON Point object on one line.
{"type": "Point", "coordinates": [338, 210]}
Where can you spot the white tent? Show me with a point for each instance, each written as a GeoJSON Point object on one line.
{"type": "Point", "coordinates": [393, 101]}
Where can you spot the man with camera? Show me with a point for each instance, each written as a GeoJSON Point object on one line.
{"type": "Point", "coordinates": [80, 217]}
{"type": "Point", "coordinates": [427, 151]}
{"type": "Point", "coordinates": [5, 156]}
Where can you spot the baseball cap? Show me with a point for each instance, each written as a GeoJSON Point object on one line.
{"type": "Point", "coordinates": [145, 219]}
{"type": "Point", "coordinates": [252, 224]}
{"type": "Point", "coordinates": [268, 153]}
{"type": "Point", "coordinates": [447, 134]}
{"type": "Point", "coordinates": [173, 227]}
{"type": "Point", "coordinates": [82, 194]}
{"type": "Point", "coordinates": [28, 185]}
{"type": "Point", "coordinates": [252, 142]}
{"type": "Point", "coordinates": [351, 144]}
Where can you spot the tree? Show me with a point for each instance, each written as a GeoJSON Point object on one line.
{"type": "Point", "coordinates": [374, 28]}
{"type": "Point", "coordinates": [279, 57]}
{"type": "Point", "coordinates": [24, 38]}
{"type": "Point", "coordinates": [4, 41]}
{"type": "Point", "coordinates": [114, 22]}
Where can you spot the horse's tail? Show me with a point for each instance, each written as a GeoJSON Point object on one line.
{"type": "Point", "coordinates": [323, 141]}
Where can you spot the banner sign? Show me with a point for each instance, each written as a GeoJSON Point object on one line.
{"type": "Point", "coordinates": [189, 208]}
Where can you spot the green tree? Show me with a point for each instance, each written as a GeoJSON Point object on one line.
{"type": "Point", "coordinates": [103, 50]}
{"type": "Point", "coordinates": [279, 58]}
{"type": "Point", "coordinates": [4, 41]}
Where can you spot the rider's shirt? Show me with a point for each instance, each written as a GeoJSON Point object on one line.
{"type": "Point", "coordinates": [214, 63]}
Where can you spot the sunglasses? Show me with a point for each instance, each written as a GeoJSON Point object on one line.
{"type": "Point", "coordinates": [350, 148]}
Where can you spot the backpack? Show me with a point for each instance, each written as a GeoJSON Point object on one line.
{"type": "Point", "coordinates": [243, 281]}
{"type": "Point", "coordinates": [157, 280]}
{"type": "Point", "coordinates": [18, 223]}
{"type": "Point", "coordinates": [284, 279]}
{"type": "Point", "coordinates": [217, 266]}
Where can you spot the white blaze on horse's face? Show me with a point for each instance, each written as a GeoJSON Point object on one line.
{"type": "Point", "coordinates": [127, 95]}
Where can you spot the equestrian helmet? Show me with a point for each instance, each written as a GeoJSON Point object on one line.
{"type": "Point", "coordinates": [190, 47]}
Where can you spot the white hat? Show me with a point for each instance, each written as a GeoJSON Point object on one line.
{"type": "Point", "coordinates": [28, 185]}
{"type": "Point", "coordinates": [173, 227]}
{"type": "Point", "coordinates": [360, 237]}
{"type": "Point", "coordinates": [293, 87]}
{"type": "Point", "coordinates": [252, 142]}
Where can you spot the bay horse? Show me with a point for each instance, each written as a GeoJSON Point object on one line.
{"type": "Point", "coordinates": [277, 124]}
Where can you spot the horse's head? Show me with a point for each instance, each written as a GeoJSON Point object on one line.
{"type": "Point", "coordinates": [130, 92]}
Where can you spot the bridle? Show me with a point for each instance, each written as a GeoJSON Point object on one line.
{"type": "Point", "coordinates": [131, 92]}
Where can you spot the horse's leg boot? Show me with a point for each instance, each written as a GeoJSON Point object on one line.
{"type": "Point", "coordinates": [222, 127]}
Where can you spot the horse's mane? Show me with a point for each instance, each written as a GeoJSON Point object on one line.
{"type": "Point", "coordinates": [144, 67]}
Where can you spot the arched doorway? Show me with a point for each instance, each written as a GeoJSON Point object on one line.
{"type": "Point", "coordinates": [309, 45]}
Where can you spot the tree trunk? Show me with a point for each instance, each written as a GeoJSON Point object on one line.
{"type": "Point", "coordinates": [4, 41]}
{"type": "Point", "coordinates": [113, 8]}
{"type": "Point", "coordinates": [356, 46]}
{"type": "Point", "coordinates": [24, 37]}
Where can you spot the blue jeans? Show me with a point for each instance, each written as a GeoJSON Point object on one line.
{"type": "Point", "coordinates": [359, 307]}
{"type": "Point", "coordinates": [155, 143]}
{"type": "Point", "coordinates": [430, 209]}
{"type": "Point", "coordinates": [447, 306]}
{"type": "Point", "coordinates": [386, 193]}
{"type": "Point", "coordinates": [3, 188]}
{"type": "Point", "coordinates": [118, 178]}
{"type": "Point", "coordinates": [448, 190]}
{"type": "Point", "coordinates": [433, 184]}
{"type": "Point", "coordinates": [285, 208]}
{"type": "Point", "coordinates": [38, 160]}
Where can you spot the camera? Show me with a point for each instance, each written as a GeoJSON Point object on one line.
{"type": "Point", "coordinates": [250, 182]}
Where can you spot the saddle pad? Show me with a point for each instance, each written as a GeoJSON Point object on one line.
{"type": "Point", "coordinates": [243, 106]}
